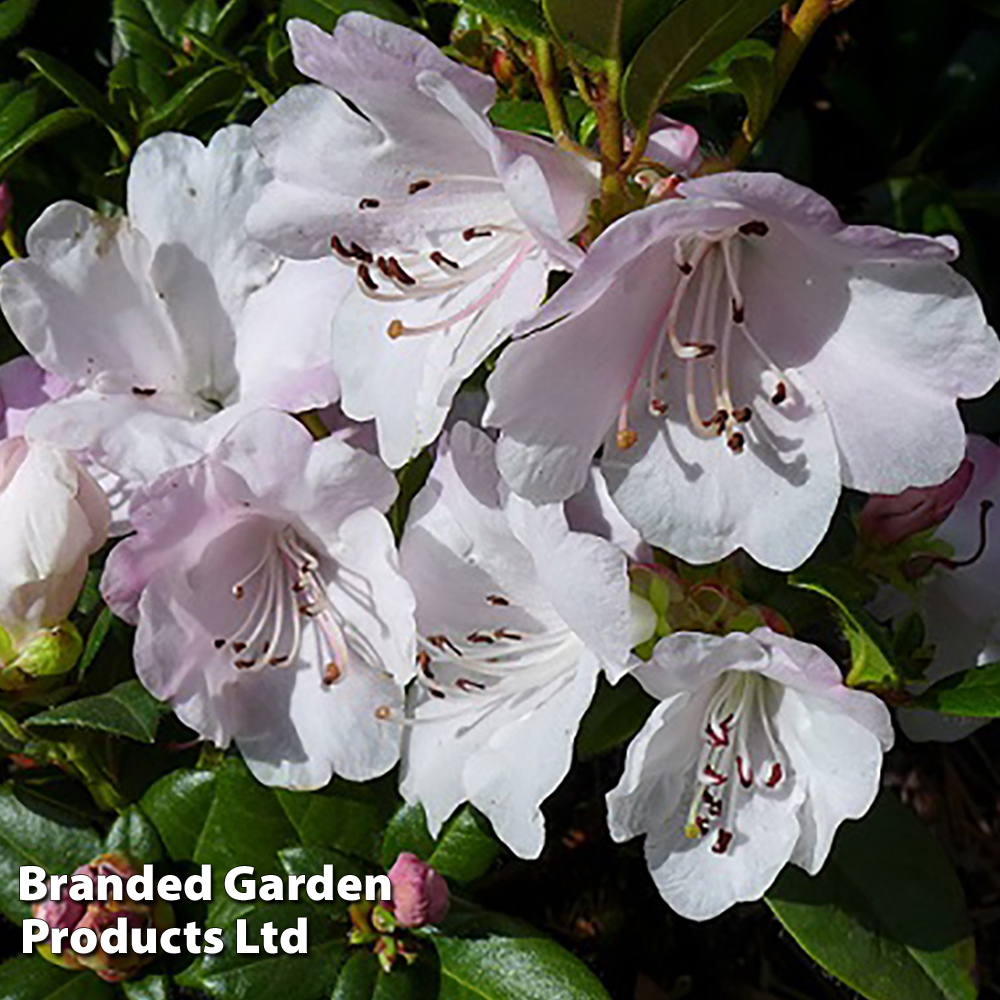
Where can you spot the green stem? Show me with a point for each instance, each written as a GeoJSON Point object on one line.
{"type": "Point", "coordinates": [795, 39]}
{"type": "Point", "coordinates": [544, 69]}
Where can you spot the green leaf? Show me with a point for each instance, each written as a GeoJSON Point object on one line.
{"type": "Point", "coordinates": [523, 17]}
{"type": "Point", "coordinates": [135, 836]}
{"type": "Point", "coordinates": [754, 76]}
{"type": "Point", "coordinates": [357, 978]}
{"type": "Point", "coordinates": [178, 806]}
{"type": "Point", "coordinates": [231, 976]}
{"type": "Point", "coordinates": [32, 978]}
{"type": "Point", "coordinates": [309, 861]}
{"type": "Point", "coordinates": [14, 15]}
{"type": "Point", "coordinates": [595, 28]}
{"type": "Point", "coordinates": [149, 28]}
{"type": "Point", "coordinates": [95, 639]}
{"type": "Point", "coordinates": [126, 710]}
{"type": "Point", "coordinates": [615, 715]}
{"type": "Point", "coordinates": [886, 914]}
{"type": "Point", "coordinates": [150, 988]}
{"type": "Point", "coordinates": [682, 45]}
{"type": "Point", "coordinates": [487, 956]}
{"type": "Point", "coordinates": [974, 693]}
{"type": "Point", "coordinates": [362, 979]}
{"type": "Point", "coordinates": [406, 831]}
{"type": "Point", "coordinates": [28, 837]}
{"type": "Point", "coordinates": [872, 660]}
{"type": "Point", "coordinates": [19, 107]}
{"type": "Point", "coordinates": [325, 13]}
{"type": "Point", "coordinates": [45, 128]}
{"type": "Point", "coordinates": [216, 86]}
{"type": "Point", "coordinates": [345, 816]}
{"type": "Point", "coordinates": [80, 91]}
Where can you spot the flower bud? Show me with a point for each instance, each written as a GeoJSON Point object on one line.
{"type": "Point", "coordinates": [47, 653]}
{"type": "Point", "coordinates": [98, 916]}
{"type": "Point", "coordinates": [886, 520]}
{"type": "Point", "coordinates": [419, 893]}
{"type": "Point", "coordinates": [54, 517]}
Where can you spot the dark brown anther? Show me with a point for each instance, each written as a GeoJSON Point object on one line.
{"type": "Point", "coordinates": [238, 591]}
{"type": "Point", "coordinates": [417, 186]}
{"type": "Point", "coordinates": [439, 258]}
{"type": "Point", "coordinates": [238, 647]}
{"type": "Point", "coordinates": [755, 228]}
{"type": "Point", "coordinates": [776, 775]}
{"type": "Point", "coordinates": [244, 664]}
{"type": "Point", "coordinates": [369, 203]}
{"type": "Point", "coordinates": [365, 276]}
{"type": "Point", "coordinates": [722, 842]}
{"type": "Point", "coordinates": [480, 637]}
{"type": "Point", "coordinates": [339, 248]}
{"type": "Point", "coordinates": [780, 394]}
{"type": "Point", "coordinates": [735, 442]}
{"type": "Point", "coordinates": [738, 313]}
{"type": "Point", "coordinates": [360, 253]}
{"type": "Point", "coordinates": [742, 414]}
{"type": "Point", "coordinates": [717, 420]}
{"type": "Point", "coordinates": [435, 693]}
{"type": "Point", "coordinates": [219, 643]}
{"type": "Point", "coordinates": [443, 642]}
{"type": "Point", "coordinates": [685, 268]}
{"type": "Point", "coordinates": [396, 271]}
{"type": "Point", "coordinates": [424, 663]}
{"type": "Point", "coordinates": [298, 587]}
{"type": "Point", "coordinates": [502, 633]}
{"type": "Point", "coordinates": [497, 601]}
{"type": "Point", "coordinates": [331, 674]}
{"type": "Point", "coordinates": [138, 391]}
{"type": "Point", "coordinates": [278, 661]}
{"type": "Point", "coordinates": [464, 684]}
{"type": "Point", "coordinates": [383, 265]}
{"type": "Point", "coordinates": [657, 407]}
{"type": "Point", "coordinates": [704, 350]}
{"type": "Point", "coordinates": [474, 234]}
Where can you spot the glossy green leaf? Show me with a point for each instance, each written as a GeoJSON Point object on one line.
{"type": "Point", "coordinates": [95, 639]}
{"type": "Point", "coordinates": [886, 914]}
{"type": "Point", "coordinates": [232, 976]}
{"type": "Point", "coordinates": [14, 15]}
{"type": "Point", "coordinates": [19, 107]}
{"type": "Point", "coordinates": [487, 956]}
{"type": "Point", "coordinates": [973, 693]}
{"type": "Point", "coordinates": [406, 831]}
{"type": "Point", "coordinates": [148, 988]}
{"type": "Point", "coordinates": [28, 837]}
{"type": "Point", "coordinates": [346, 816]}
{"type": "Point", "coordinates": [217, 86]}
{"type": "Point", "coordinates": [754, 77]}
{"type": "Point", "coordinates": [134, 835]}
{"type": "Point", "coordinates": [30, 977]}
{"type": "Point", "coordinates": [357, 978]}
{"type": "Point", "coordinates": [325, 13]}
{"type": "Point", "coordinates": [682, 45]}
{"type": "Point", "coordinates": [79, 90]}
{"type": "Point", "coordinates": [523, 17]}
{"type": "Point", "coordinates": [310, 861]}
{"type": "Point", "coordinates": [593, 28]}
{"type": "Point", "coordinates": [42, 130]}
{"type": "Point", "coordinates": [126, 710]}
{"type": "Point", "coordinates": [178, 806]}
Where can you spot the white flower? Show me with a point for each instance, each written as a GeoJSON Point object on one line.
{"type": "Point", "coordinates": [451, 225]}
{"type": "Point", "coordinates": [165, 318]}
{"type": "Point", "coordinates": [269, 603]}
{"type": "Point", "coordinates": [742, 355]}
{"type": "Point", "coordinates": [517, 616]}
{"type": "Point", "coordinates": [754, 756]}
{"type": "Point", "coordinates": [54, 518]}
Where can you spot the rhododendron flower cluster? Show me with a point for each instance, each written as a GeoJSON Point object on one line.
{"type": "Point", "coordinates": [421, 433]}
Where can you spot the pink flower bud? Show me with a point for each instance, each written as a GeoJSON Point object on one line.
{"type": "Point", "coordinates": [419, 893]}
{"type": "Point", "coordinates": [886, 520]}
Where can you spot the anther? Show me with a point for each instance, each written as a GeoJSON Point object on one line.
{"type": "Point", "coordinates": [238, 647]}
{"type": "Point", "coordinates": [464, 684]}
{"type": "Point", "coordinates": [780, 394]}
{"type": "Point", "coordinates": [219, 643]}
{"type": "Point", "coordinates": [238, 591]}
{"type": "Point", "coordinates": [278, 661]}
{"type": "Point", "coordinates": [657, 407]}
{"type": "Point", "coordinates": [360, 253]}
{"type": "Point", "coordinates": [742, 414]}
{"type": "Point", "coordinates": [435, 693]}
{"type": "Point", "coordinates": [746, 780]}
{"type": "Point", "coordinates": [472, 233]}
{"type": "Point", "coordinates": [626, 438]}
{"type": "Point", "coordinates": [417, 186]}
{"type": "Point", "coordinates": [497, 600]}
{"type": "Point", "coordinates": [735, 442]}
{"type": "Point", "coordinates": [396, 329]}
{"type": "Point", "coordinates": [395, 270]}
{"type": "Point", "coordinates": [502, 633]}
{"type": "Point", "coordinates": [775, 776]}
{"type": "Point", "coordinates": [339, 248]}
{"type": "Point", "coordinates": [479, 637]}
{"type": "Point", "coordinates": [244, 664]}
{"type": "Point", "coordinates": [443, 642]}
{"type": "Point", "coordinates": [383, 712]}
{"type": "Point", "coordinates": [369, 203]}
{"type": "Point", "coordinates": [365, 276]}
{"type": "Point", "coordinates": [685, 267]}
{"type": "Point", "coordinates": [738, 312]}
{"type": "Point", "coordinates": [383, 265]}
{"type": "Point", "coordinates": [439, 258]}
{"type": "Point", "coordinates": [755, 228]}
{"type": "Point", "coordinates": [139, 391]}
{"type": "Point", "coordinates": [331, 675]}
{"type": "Point", "coordinates": [722, 842]}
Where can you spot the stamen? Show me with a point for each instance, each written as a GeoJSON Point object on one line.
{"type": "Point", "coordinates": [417, 186]}
{"type": "Point", "coordinates": [360, 253]}
{"type": "Point", "coordinates": [755, 228]}
{"type": "Point", "coordinates": [331, 674]}
{"type": "Point", "coordinates": [368, 203]}
{"type": "Point", "coordinates": [497, 600]}
{"type": "Point", "coordinates": [472, 233]}
{"type": "Point", "coordinates": [443, 262]}
{"type": "Point", "coordinates": [365, 277]}
{"type": "Point", "coordinates": [396, 272]}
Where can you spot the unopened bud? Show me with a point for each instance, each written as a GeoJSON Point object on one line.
{"type": "Point", "coordinates": [886, 520]}
{"type": "Point", "coordinates": [419, 893]}
{"type": "Point", "coordinates": [47, 653]}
